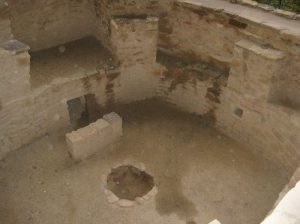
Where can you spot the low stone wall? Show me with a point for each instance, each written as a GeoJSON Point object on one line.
{"type": "Point", "coordinates": [256, 53]}
{"type": "Point", "coordinates": [287, 211]}
{"type": "Point", "coordinates": [89, 140]}
{"type": "Point", "coordinates": [249, 110]}
{"type": "Point", "coordinates": [28, 113]}
{"type": "Point", "coordinates": [15, 66]}
{"type": "Point", "coordinates": [291, 184]}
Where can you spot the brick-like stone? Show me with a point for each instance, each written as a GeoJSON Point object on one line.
{"type": "Point", "coordinates": [95, 137]}
{"type": "Point", "coordinates": [254, 68]}
{"type": "Point", "coordinates": [116, 122]}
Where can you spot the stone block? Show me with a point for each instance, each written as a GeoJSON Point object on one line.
{"type": "Point", "coordinates": [104, 132]}
{"type": "Point", "coordinates": [75, 142]}
{"type": "Point", "coordinates": [116, 122]}
{"type": "Point", "coordinates": [254, 69]}
{"type": "Point", "coordinates": [15, 68]}
{"type": "Point", "coordinates": [89, 135]}
{"type": "Point", "coordinates": [15, 46]}
{"type": "Point", "coordinates": [95, 137]}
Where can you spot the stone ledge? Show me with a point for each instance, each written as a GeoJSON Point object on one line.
{"type": "Point", "coordinates": [266, 52]}
{"type": "Point", "coordinates": [116, 123]}
{"type": "Point", "coordinates": [14, 46]}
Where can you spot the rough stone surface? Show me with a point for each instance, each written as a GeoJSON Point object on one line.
{"type": "Point", "coordinates": [5, 25]}
{"type": "Point", "coordinates": [263, 83]}
{"type": "Point", "coordinates": [134, 42]}
{"type": "Point", "coordinates": [93, 138]}
{"type": "Point", "coordinates": [287, 211]}
{"type": "Point", "coordinates": [116, 122]}
{"type": "Point", "coordinates": [52, 22]}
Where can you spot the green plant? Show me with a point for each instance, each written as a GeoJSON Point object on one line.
{"type": "Point", "coordinates": [291, 5]}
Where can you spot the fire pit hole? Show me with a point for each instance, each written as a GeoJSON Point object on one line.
{"type": "Point", "coordinates": [129, 182]}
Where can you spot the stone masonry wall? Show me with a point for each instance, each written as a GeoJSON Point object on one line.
{"type": "Point", "coordinates": [26, 113]}
{"type": "Point", "coordinates": [134, 42]}
{"type": "Point", "coordinates": [222, 30]}
{"type": "Point", "coordinates": [54, 22]}
{"type": "Point", "coordinates": [258, 103]}
{"type": "Point", "coordinates": [240, 70]}
{"type": "Point", "coordinates": [5, 30]}
{"type": "Point", "coordinates": [44, 24]}
{"type": "Point", "coordinates": [29, 113]}
{"type": "Point", "coordinates": [109, 9]}
{"type": "Point", "coordinates": [190, 84]}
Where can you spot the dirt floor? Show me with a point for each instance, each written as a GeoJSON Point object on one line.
{"type": "Point", "coordinates": [79, 57]}
{"type": "Point", "coordinates": [201, 175]}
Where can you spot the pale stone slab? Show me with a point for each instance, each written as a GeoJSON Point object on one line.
{"type": "Point", "coordinates": [104, 132]}
{"type": "Point", "coordinates": [93, 138]}
{"type": "Point", "coordinates": [116, 122]}
{"type": "Point", "coordinates": [270, 53]}
{"type": "Point", "coordinates": [287, 211]}
{"type": "Point", "coordinates": [126, 203]}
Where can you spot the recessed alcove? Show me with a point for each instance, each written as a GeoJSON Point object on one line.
{"type": "Point", "coordinates": [83, 111]}
{"type": "Point", "coordinates": [75, 59]}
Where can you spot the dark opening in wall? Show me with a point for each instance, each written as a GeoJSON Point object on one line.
{"type": "Point", "coordinates": [238, 24]}
{"type": "Point", "coordinates": [83, 111]}
{"type": "Point", "coordinates": [239, 112]}
{"type": "Point", "coordinates": [131, 16]}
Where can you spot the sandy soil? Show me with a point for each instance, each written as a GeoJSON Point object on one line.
{"type": "Point", "coordinates": [201, 176]}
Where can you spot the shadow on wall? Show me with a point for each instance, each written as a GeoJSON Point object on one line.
{"type": "Point", "coordinates": [44, 24]}
{"type": "Point", "coordinates": [83, 111]}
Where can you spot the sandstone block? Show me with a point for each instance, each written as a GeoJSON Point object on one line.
{"type": "Point", "coordinates": [104, 132]}
{"type": "Point", "coordinates": [254, 69]}
{"type": "Point", "coordinates": [116, 123]}
{"type": "Point", "coordinates": [95, 137]}
{"type": "Point", "coordinates": [75, 142]}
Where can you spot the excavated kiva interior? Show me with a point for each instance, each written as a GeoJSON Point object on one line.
{"type": "Point", "coordinates": [153, 111]}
